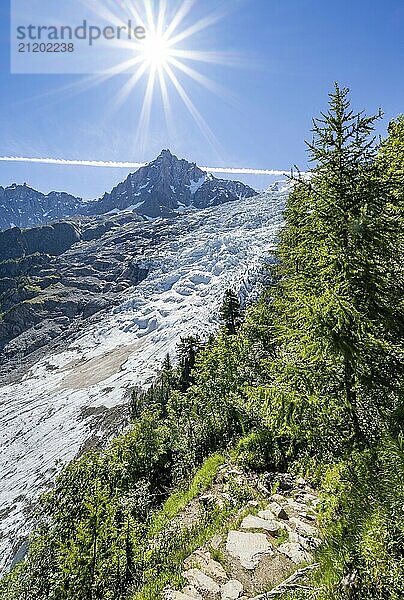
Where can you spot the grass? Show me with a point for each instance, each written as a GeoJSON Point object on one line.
{"type": "Point", "coordinates": [171, 545]}
{"type": "Point", "coordinates": [281, 537]}
{"type": "Point", "coordinates": [176, 503]}
{"type": "Point", "coordinates": [185, 543]}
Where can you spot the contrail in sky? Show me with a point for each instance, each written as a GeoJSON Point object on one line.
{"type": "Point", "coordinates": [134, 165]}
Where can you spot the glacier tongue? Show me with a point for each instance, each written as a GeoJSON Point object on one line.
{"type": "Point", "coordinates": [47, 416]}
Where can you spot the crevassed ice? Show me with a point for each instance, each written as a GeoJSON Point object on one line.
{"type": "Point", "coordinates": [41, 418]}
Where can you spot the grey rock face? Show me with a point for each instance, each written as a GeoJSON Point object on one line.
{"type": "Point", "coordinates": [53, 275]}
{"type": "Point", "coordinates": [22, 206]}
{"type": "Point", "coordinates": [159, 189]}
{"type": "Point", "coordinates": [52, 239]}
{"type": "Point", "coordinates": [168, 184]}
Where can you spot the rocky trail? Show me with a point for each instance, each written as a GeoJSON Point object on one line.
{"type": "Point", "coordinates": [269, 553]}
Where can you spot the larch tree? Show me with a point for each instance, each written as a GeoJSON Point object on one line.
{"type": "Point", "coordinates": [230, 312]}
{"type": "Point", "coordinates": [338, 318]}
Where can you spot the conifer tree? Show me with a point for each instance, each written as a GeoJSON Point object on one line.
{"type": "Point", "coordinates": [187, 350]}
{"type": "Point", "coordinates": [391, 160]}
{"type": "Point", "coordinates": [230, 312]}
{"type": "Point", "coordinates": [338, 317]}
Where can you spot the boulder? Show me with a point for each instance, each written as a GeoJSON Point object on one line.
{"type": "Point", "coordinates": [232, 590]}
{"type": "Point", "coordinates": [203, 561]}
{"type": "Point", "coordinates": [252, 522]}
{"type": "Point", "coordinates": [191, 592]}
{"type": "Point", "coordinates": [279, 498]}
{"type": "Point", "coordinates": [303, 528]}
{"type": "Point", "coordinates": [277, 510]}
{"type": "Point", "coordinates": [174, 595]}
{"type": "Point", "coordinates": [202, 582]}
{"type": "Point", "coordinates": [248, 547]}
{"type": "Point", "coordinates": [267, 514]}
{"type": "Point", "coordinates": [297, 506]}
{"type": "Point", "coordinates": [308, 543]}
{"type": "Point", "coordinates": [295, 552]}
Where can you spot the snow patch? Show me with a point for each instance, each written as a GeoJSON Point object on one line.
{"type": "Point", "coordinates": [195, 185]}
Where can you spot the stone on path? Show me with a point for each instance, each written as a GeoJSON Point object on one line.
{"type": "Point", "coordinates": [232, 590]}
{"type": "Point", "coordinates": [174, 595]}
{"type": "Point", "coordinates": [216, 541]}
{"type": "Point", "coordinates": [277, 510]}
{"type": "Point", "coordinates": [248, 547]}
{"type": "Point", "coordinates": [203, 561]}
{"type": "Point", "coordinates": [192, 592]}
{"type": "Point", "coordinates": [267, 514]}
{"type": "Point", "coordinates": [201, 582]}
{"type": "Point", "coordinates": [308, 543]}
{"type": "Point", "coordinates": [252, 522]}
{"type": "Point", "coordinates": [295, 552]}
{"type": "Point", "coordinates": [278, 498]}
{"type": "Point", "coordinates": [297, 506]}
{"type": "Point", "coordinates": [303, 528]}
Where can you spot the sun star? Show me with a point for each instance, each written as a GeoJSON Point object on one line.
{"type": "Point", "coordinates": [162, 58]}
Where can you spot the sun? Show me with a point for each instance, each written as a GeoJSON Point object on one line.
{"type": "Point", "coordinates": [164, 60]}
{"type": "Point", "coordinates": [156, 51]}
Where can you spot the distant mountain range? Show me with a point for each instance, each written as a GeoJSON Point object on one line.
{"type": "Point", "coordinates": [22, 206]}
{"type": "Point", "coordinates": [163, 187]}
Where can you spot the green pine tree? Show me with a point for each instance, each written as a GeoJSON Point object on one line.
{"type": "Point", "coordinates": [391, 160]}
{"type": "Point", "coordinates": [338, 316]}
{"type": "Point", "coordinates": [187, 350]}
{"type": "Point", "coordinates": [230, 311]}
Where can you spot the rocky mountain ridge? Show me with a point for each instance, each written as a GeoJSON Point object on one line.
{"type": "Point", "coordinates": [22, 206]}
{"type": "Point", "coordinates": [162, 188]}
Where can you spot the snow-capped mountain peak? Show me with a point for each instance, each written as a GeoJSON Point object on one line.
{"type": "Point", "coordinates": [162, 187]}
{"type": "Point", "coordinates": [22, 206]}
{"type": "Point", "coordinates": [167, 184]}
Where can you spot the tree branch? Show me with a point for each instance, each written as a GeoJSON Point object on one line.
{"type": "Point", "coordinates": [290, 583]}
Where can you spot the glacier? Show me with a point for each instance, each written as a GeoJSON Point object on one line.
{"type": "Point", "coordinates": [51, 413]}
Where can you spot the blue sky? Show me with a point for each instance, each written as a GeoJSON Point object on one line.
{"type": "Point", "coordinates": [293, 51]}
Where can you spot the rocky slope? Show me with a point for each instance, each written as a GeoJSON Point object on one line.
{"type": "Point", "coordinates": [161, 188]}
{"type": "Point", "coordinates": [265, 550]}
{"type": "Point", "coordinates": [63, 272]}
{"type": "Point", "coordinates": [122, 297]}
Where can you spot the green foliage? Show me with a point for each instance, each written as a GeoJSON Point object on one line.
{"type": "Point", "coordinates": [179, 499]}
{"type": "Point", "coordinates": [187, 351]}
{"type": "Point", "coordinates": [230, 312]}
{"type": "Point", "coordinates": [391, 160]}
{"type": "Point", "coordinates": [362, 521]}
{"type": "Point", "coordinates": [338, 310]}
{"type": "Point", "coordinates": [259, 451]}
{"type": "Point", "coordinates": [92, 542]}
